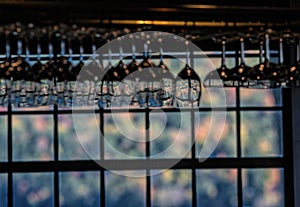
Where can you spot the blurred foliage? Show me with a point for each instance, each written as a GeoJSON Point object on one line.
{"type": "Point", "coordinates": [172, 188]}
{"type": "Point", "coordinates": [264, 139]}
{"type": "Point", "coordinates": [170, 138]}
{"type": "Point", "coordinates": [79, 189]}
{"type": "Point", "coordinates": [3, 189]}
{"type": "Point", "coordinates": [81, 143]}
{"type": "Point", "coordinates": [125, 136]}
{"type": "Point", "coordinates": [125, 191]}
{"type": "Point", "coordinates": [263, 187]}
{"type": "Point", "coordinates": [217, 188]}
{"type": "Point", "coordinates": [32, 137]}
{"type": "Point", "coordinates": [33, 189]}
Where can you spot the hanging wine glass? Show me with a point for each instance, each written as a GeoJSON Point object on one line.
{"type": "Point", "coordinates": [154, 84]}
{"type": "Point", "coordinates": [256, 73]}
{"type": "Point", "coordinates": [188, 87]}
{"type": "Point", "coordinates": [240, 72]}
{"type": "Point", "coordinates": [117, 74]}
{"type": "Point", "coordinates": [129, 91]}
{"type": "Point", "coordinates": [30, 83]}
{"type": "Point", "coordinates": [103, 86]}
{"type": "Point", "coordinates": [19, 69]}
{"type": "Point", "coordinates": [279, 73]}
{"type": "Point", "coordinates": [261, 73]}
{"type": "Point", "coordinates": [62, 70]}
{"type": "Point", "coordinates": [167, 83]}
{"type": "Point", "coordinates": [298, 63]}
{"type": "Point", "coordinates": [5, 80]}
{"type": "Point", "coordinates": [72, 91]}
{"type": "Point", "coordinates": [142, 79]}
{"type": "Point", "coordinates": [48, 93]}
{"type": "Point", "coordinates": [45, 75]}
{"type": "Point", "coordinates": [220, 76]}
{"type": "Point", "coordinates": [3, 92]}
{"type": "Point", "coordinates": [293, 65]}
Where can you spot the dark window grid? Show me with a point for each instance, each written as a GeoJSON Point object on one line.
{"type": "Point", "coordinates": [239, 163]}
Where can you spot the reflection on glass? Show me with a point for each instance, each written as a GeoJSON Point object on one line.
{"type": "Point", "coordinates": [32, 137]}
{"type": "Point", "coordinates": [124, 135]}
{"type": "Point", "coordinates": [226, 146]}
{"type": "Point", "coordinates": [125, 191]}
{"type": "Point", "coordinates": [261, 133]}
{"type": "Point", "coordinates": [80, 143]}
{"type": "Point", "coordinates": [170, 135]}
{"type": "Point", "coordinates": [259, 97]}
{"type": "Point", "coordinates": [33, 189]}
{"type": "Point", "coordinates": [263, 187]}
{"type": "Point", "coordinates": [79, 189]}
{"type": "Point", "coordinates": [217, 188]}
{"type": "Point", "coordinates": [3, 138]}
{"type": "Point", "coordinates": [172, 188]}
{"type": "Point", "coordinates": [3, 189]}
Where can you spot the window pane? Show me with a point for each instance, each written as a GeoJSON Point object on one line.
{"type": "Point", "coordinates": [125, 191]}
{"type": "Point", "coordinates": [172, 188]}
{"type": "Point", "coordinates": [261, 133]}
{"type": "Point", "coordinates": [125, 135]}
{"type": "Point", "coordinates": [33, 189]}
{"type": "Point", "coordinates": [218, 97]}
{"type": "Point", "coordinates": [260, 97]}
{"type": "Point", "coordinates": [3, 190]}
{"type": "Point", "coordinates": [32, 137]}
{"type": "Point", "coordinates": [263, 187]}
{"type": "Point", "coordinates": [3, 138]}
{"type": "Point", "coordinates": [206, 129]}
{"type": "Point", "coordinates": [217, 188]}
{"type": "Point", "coordinates": [170, 135]}
{"type": "Point", "coordinates": [75, 143]}
{"type": "Point", "coordinates": [79, 189]}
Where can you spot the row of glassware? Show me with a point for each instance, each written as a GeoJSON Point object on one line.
{"type": "Point", "coordinates": [136, 84]}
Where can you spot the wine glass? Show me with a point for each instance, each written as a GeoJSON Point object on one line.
{"type": "Point", "coordinates": [19, 68]}
{"type": "Point", "coordinates": [104, 85]}
{"type": "Point", "coordinates": [279, 73]}
{"type": "Point", "coordinates": [240, 72]}
{"type": "Point", "coordinates": [63, 68]}
{"type": "Point", "coordinates": [117, 73]}
{"type": "Point", "coordinates": [294, 63]}
{"type": "Point", "coordinates": [167, 83]}
{"type": "Point", "coordinates": [144, 77]}
{"type": "Point", "coordinates": [129, 81]}
{"type": "Point", "coordinates": [220, 74]}
{"type": "Point", "coordinates": [5, 79]}
{"type": "Point", "coordinates": [188, 87]}
{"type": "Point", "coordinates": [31, 83]}
{"type": "Point", "coordinates": [261, 73]}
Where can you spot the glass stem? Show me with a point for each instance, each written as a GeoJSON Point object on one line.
{"type": "Point", "coordinates": [39, 51]}
{"type": "Point", "coordinates": [267, 42]}
{"type": "Point", "coordinates": [261, 51]}
{"type": "Point", "coordinates": [7, 48]}
{"type": "Point", "coordinates": [223, 52]}
{"type": "Point", "coordinates": [133, 52]}
{"type": "Point", "coordinates": [19, 52]}
{"type": "Point", "coordinates": [280, 51]}
{"type": "Point", "coordinates": [242, 51]}
{"type": "Point", "coordinates": [62, 47]}
{"type": "Point", "coordinates": [188, 60]}
{"type": "Point", "coordinates": [298, 50]}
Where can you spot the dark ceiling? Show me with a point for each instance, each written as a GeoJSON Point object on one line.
{"type": "Point", "coordinates": [276, 11]}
